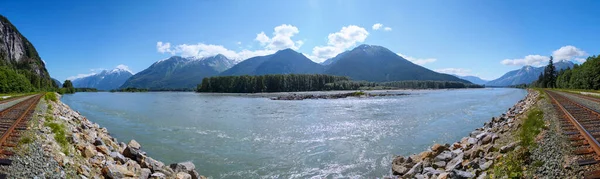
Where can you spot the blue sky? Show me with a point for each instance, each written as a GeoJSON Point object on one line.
{"type": "Point", "coordinates": [482, 38]}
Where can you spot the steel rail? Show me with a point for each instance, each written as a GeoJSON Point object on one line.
{"type": "Point", "coordinates": [34, 101]}
{"type": "Point", "coordinates": [594, 145]}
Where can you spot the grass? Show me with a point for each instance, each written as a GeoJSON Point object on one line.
{"type": "Point", "coordinates": [60, 135]}
{"type": "Point", "coordinates": [514, 163]}
{"type": "Point", "coordinates": [50, 96]}
{"type": "Point", "coordinates": [532, 126]}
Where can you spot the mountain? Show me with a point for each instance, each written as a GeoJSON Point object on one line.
{"type": "Point", "coordinates": [378, 64]}
{"type": "Point", "coordinates": [17, 53]}
{"type": "Point", "coordinates": [473, 79]}
{"type": "Point", "coordinates": [105, 80]}
{"type": "Point", "coordinates": [178, 72]}
{"type": "Point", "coordinates": [285, 61]}
{"type": "Point", "coordinates": [58, 83]}
{"type": "Point", "coordinates": [334, 59]}
{"type": "Point", "coordinates": [526, 74]}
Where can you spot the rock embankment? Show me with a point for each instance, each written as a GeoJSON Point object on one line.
{"type": "Point", "coordinates": [90, 151]}
{"type": "Point", "coordinates": [472, 156]}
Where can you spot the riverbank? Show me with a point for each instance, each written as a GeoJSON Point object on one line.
{"type": "Point", "coordinates": [474, 156]}
{"type": "Point", "coordinates": [61, 143]}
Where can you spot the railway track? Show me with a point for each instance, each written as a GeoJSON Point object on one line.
{"type": "Point", "coordinates": [595, 99]}
{"type": "Point", "coordinates": [12, 99]}
{"type": "Point", "coordinates": [582, 125]}
{"type": "Point", "coordinates": [13, 120]}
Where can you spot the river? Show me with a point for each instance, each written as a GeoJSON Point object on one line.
{"type": "Point", "coordinates": [240, 136]}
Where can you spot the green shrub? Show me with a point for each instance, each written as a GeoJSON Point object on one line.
{"type": "Point", "coordinates": [532, 126]}
{"type": "Point", "coordinates": [50, 96]}
{"type": "Point", "coordinates": [60, 135]}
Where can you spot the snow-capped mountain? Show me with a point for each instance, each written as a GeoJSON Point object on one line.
{"type": "Point", "coordinates": [179, 72]}
{"type": "Point", "coordinates": [526, 74]}
{"type": "Point", "coordinates": [105, 80]}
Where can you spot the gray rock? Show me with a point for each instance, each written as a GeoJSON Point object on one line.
{"type": "Point", "coordinates": [483, 175]}
{"type": "Point", "coordinates": [431, 170]}
{"type": "Point", "coordinates": [439, 164]}
{"type": "Point", "coordinates": [183, 167]}
{"type": "Point", "coordinates": [145, 173]}
{"type": "Point", "coordinates": [463, 174]}
{"type": "Point", "coordinates": [486, 165]}
{"type": "Point", "coordinates": [444, 156]}
{"type": "Point", "coordinates": [454, 163]}
{"type": "Point", "coordinates": [417, 168]}
{"type": "Point", "coordinates": [152, 164]}
{"type": "Point", "coordinates": [508, 147]}
{"type": "Point", "coordinates": [118, 157]}
{"type": "Point", "coordinates": [134, 144]}
{"type": "Point", "coordinates": [134, 154]}
{"type": "Point", "coordinates": [158, 175]}
{"type": "Point", "coordinates": [472, 140]}
{"type": "Point", "coordinates": [475, 133]}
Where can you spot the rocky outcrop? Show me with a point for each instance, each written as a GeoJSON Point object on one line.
{"type": "Point", "coordinates": [18, 53]}
{"type": "Point", "coordinates": [92, 152]}
{"type": "Point", "coordinates": [472, 156]}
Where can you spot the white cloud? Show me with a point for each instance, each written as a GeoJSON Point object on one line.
{"type": "Point", "coordinates": [418, 61]}
{"type": "Point", "coordinates": [239, 43]}
{"type": "Point", "coordinates": [80, 76]}
{"type": "Point", "coordinates": [163, 48]}
{"type": "Point", "coordinates": [568, 52]}
{"type": "Point", "coordinates": [380, 26]}
{"type": "Point", "coordinates": [282, 38]}
{"type": "Point", "coordinates": [455, 71]}
{"type": "Point", "coordinates": [532, 60]}
{"type": "Point", "coordinates": [124, 67]}
{"type": "Point", "coordinates": [339, 41]}
{"type": "Point", "coordinates": [377, 26]}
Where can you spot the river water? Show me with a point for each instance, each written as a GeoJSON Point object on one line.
{"type": "Point", "coordinates": [239, 136]}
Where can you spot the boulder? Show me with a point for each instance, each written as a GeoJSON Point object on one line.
{"type": "Point", "coordinates": [439, 164]}
{"type": "Point", "coordinates": [89, 151]}
{"type": "Point", "coordinates": [133, 167]}
{"type": "Point", "coordinates": [425, 155]}
{"type": "Point", "coordinates": [416, 169]}
{"type": "Point", "coordinates": [486, 165]}
{"type": "Point", "coordinates": [443, 176]}
{"type": "Point", "coordinates": [119, 157]}
{"type": "Point", "coordinates": [116, 171]}
{"type": "Point", "coordinates": [437, 148]}
{"type": "Point", "coordinates": [508, 147]}
{"type": "Point", "coordinates": [134, 144]}
{"type": "Point", "coordinates": [134, 154]}
{"type": "Point", "coordinates": [152, 164]}
{"type": "Point", "coordinates": [158, 175]}
{"type": "Point", "coordinates": [463, 174]}
{"type": "Point", "coordinates": [183, 175]}
{"type": "Point", "coordinates": [183, 167]}
{"type": "Point", "coordinates": [454, 163]}
{"type": "Point", "coordinates": [103, 149]}
{"type": "Point", "coordinates": [431, 171]}
{"type": "Point", "coordinates": [444, 156]}
{"type": "Point", "coordinates": [145, 173]}
{"type": "Point", "coordinates": [98, 141]}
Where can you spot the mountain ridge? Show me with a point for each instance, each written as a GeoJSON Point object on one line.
{"type": "Point", "coordinates": [525, 75]}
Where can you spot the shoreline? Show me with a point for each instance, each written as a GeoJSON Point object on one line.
{"type": "Point", "coordinates": [64, 144]}
{"type": "Point", "coordinates": [474, 155]}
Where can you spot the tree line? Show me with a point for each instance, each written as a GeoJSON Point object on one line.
{"type": "Point", "coordinates": [310, 82]}
{"type": "Point", "coordinates": [270, 83]}
{"type": "Point", "coordinates": [584, 76]}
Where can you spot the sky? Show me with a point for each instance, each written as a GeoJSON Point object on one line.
{"type": "Point", "coordinates": [467, 37]}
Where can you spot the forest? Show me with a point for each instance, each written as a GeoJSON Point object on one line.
{"type": "Point", "coordinates": [585, 76]}
{"type": "Point", "coordinates": [310, 82]}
